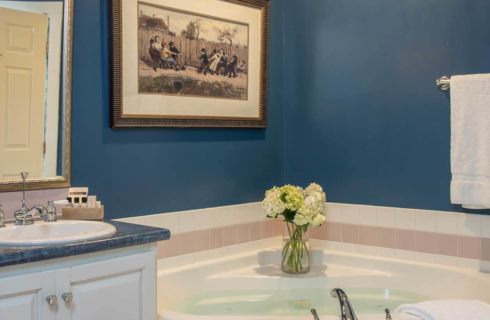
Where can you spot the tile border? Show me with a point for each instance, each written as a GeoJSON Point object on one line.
{"type": "Point", "coordinates": [416, 242]}
{"type": "Point", "coordinates": [408, 240]}
{"type": "Point", "coordinates": [411, 231]}
{"type": "Point", "coordinates": [208, 239]}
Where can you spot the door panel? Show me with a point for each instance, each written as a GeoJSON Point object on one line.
{"type": "Point", "coordinates": [23, 297]}
{"type": "Point", "coordinates": [121, 288]}
{"type": "Point", "coordinates": [22, 305]}
{"type": "Point", "coordinates": [117, 297]}
{"type": "Point", "coordinates": [18, 109]}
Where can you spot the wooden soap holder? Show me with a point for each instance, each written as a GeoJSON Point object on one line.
{"type": "Point", "coordinates": [79, 213]}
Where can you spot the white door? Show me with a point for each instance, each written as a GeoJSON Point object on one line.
{"type": "Point", "coordinates": [122, 288]}
{"type": "Point", "coordinates": [23, 38]}
{"type": "Point", "coordinates": [24, 297]}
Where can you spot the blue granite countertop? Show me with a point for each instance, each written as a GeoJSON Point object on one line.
{"type": "Point", "coordinates": [127, 234]}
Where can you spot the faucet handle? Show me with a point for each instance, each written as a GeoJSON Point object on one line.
{"type": "Point", "coordinates": [388, 314]}
{"type": "Point", "coordinates": [50, 215]}
{"type": "Point", "coordinates": [315, 314]}
{"type": "Point", "coordinates": [2, 217]}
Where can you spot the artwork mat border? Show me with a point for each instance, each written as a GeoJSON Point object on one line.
{"type": "Point", "coordinates": [211, 107]}
{"type": "Point", "coordinates": [184, 11]}
{"type": "Point", "coordinates": [119, 119]}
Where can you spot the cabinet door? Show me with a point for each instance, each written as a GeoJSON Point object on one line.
{"type": "Point", "coordinates": [24, 297]}
{"type": "Point", "coordinates": [122, 288]}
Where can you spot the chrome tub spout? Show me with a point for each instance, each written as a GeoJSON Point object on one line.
{"type": "Point", "coordinates": [346, 309]}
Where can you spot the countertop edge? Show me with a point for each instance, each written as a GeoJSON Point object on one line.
{"type": "Point", "coordinates": [127, 235]}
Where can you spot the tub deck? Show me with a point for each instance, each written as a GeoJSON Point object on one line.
{"type": "Point", "coordinates": [249, 284]}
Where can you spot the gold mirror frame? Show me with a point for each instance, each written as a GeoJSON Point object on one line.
{"type": "Point", "coordinates": [66, 72]}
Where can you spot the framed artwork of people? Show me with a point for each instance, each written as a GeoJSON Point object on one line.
{"type": "Point", "coordinates": [187, 63]}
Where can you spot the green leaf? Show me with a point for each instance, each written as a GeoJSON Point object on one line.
{"type": "Point", "coordinates": [289, 215]}
{"type": "Point", "coordinates": [283, 197]}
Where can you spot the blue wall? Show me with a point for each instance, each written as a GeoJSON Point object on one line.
{"type": "Point", "coordinates": [352, 105]}
{"type": "Point", "coordinates": [362, 114]}
{"type": "Point", "coordinates": [143, 171]}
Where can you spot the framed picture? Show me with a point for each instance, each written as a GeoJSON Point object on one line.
{"type": "Point", "coordinates": [188, 63]}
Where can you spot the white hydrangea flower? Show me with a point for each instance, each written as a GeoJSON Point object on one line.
{"type": "Point", "coordinates": [315, 190]}
{"type": "Point", "coordinates": [300, 219]}
{"type": "Point", "coordinates": [312, 205]}
{"type": "Point", "coordinates": [272, 204]}
{"type": "Point", "coordinates": [317, 220]}
{"type": "Point", "coordinates": [293, 196]}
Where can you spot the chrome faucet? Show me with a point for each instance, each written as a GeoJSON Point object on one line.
{"type": "Point", "coordinates": [2, 217]}
{"type": "Point", "coordinates": [346, 309]}
{"type": "Point", "coordinates": [25, 216]}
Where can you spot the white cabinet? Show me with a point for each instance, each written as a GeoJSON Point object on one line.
{"type": "Point", "coordinates": [120, 287]}
{"type": "Point", "coordinates": [122, 291]}
{"type": "Point", "coordinates": [23, 297]}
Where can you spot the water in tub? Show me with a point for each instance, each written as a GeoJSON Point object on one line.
{"type": "Point", "coordinates": [289, 302]}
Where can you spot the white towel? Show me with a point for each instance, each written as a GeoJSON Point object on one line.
{"type": "Point", "coordinates": [447, 310]}
{"type": "Point", "coordinates": [470, 141]}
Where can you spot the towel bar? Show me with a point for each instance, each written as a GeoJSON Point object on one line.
{"type": "Point", "coordinates": [443, 83]}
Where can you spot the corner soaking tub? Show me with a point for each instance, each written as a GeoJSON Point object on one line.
{"type": "Point", "coordinates": [250, 285]}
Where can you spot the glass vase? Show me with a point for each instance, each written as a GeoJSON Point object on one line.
{"type": "Point", "coordinates": [295, 257]}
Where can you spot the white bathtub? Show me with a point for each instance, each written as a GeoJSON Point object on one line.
{"type": "Point", "coordinates": [250, 285]}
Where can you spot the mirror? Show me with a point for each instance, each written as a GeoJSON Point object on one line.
{"type": "Point", "coordinates": [35, 93]}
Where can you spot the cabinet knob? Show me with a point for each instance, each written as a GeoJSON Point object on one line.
{"type": "Point", "coordinates": [67, 297]}
{"type": "Point", "coordinates": [51, 300]}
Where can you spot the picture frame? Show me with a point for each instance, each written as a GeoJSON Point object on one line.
{"type": "Point", "coordinates": [187, 63]}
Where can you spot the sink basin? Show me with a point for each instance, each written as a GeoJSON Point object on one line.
{"type": "Point", "coordinates": [42, 233]}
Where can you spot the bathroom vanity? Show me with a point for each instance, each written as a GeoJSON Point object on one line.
{"type": "Point", "coordinates": [109, 278]}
